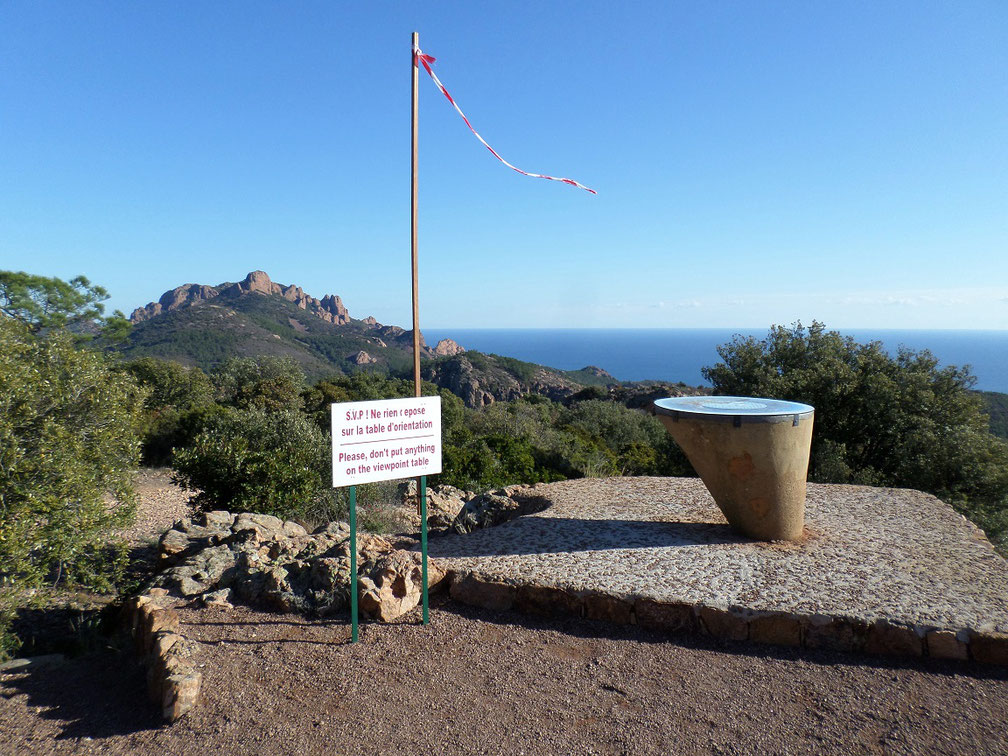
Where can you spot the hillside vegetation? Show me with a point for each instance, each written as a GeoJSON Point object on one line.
{"type": "Point", "coordinates": [996, 407]}
{"type": "Point", "coordinates": [256, 325]}
{"type": "Point", "coordinates": [79, 405]}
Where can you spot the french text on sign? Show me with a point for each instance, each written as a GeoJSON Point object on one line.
{"type": "Point", "coordinates": [386, 439]}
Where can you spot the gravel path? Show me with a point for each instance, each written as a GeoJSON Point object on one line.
{"type": "Point", "coordinates": [476, 682]}
{"type": "Point", "coordinates": [160, 503]}
{"type": "Point", "coordinates": [483, 683]}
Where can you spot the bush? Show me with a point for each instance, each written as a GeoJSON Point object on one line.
{"type": "Point", "coordinates": [179, 400]}
{"type": "Point", "coordinates": [68, 438]}
{"type": "Point", "coordinates": [251, 460]}
{"type": "Point", "coordinates": [358, 387]}
{"type": "Point", "coordinates": [267, 383]}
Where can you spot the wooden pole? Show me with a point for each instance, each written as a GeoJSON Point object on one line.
{"type": "Point", "coordinates": [421, 481]}
{"type": "Point", "coordinates": [413, 222]}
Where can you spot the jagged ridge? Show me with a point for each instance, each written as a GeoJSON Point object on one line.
{"type": "Point", "coordinates": [330, 308]}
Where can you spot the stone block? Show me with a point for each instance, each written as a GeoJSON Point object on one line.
{"type": "Point", "coordinates": [155, 618]}
{"type": "Point", "coordinates": [888, 639]}
{"type": "Point", "coordinates": [670, 617]}
{"type": "Point", "coordinates": [222, 599]}
{"type": "Point", "coordinates": [180, 694]}
{"type": "Point", "coordinates": [548, 601]}
{"type": "Point", "coordinates": [724, 623]}
{"type": "Point", "coordinates": [989, 648]}
{"type": "Point", "coordinates": [163, 642]}
{"type": "Point", "coordinates": [833, 633]}
{"type": "Point", "coordinates": [478, 591]}
{"type": "Point", "coordinates": [218, 520]}
{"type": "Point", "coordinates": [132, 619]}
{"type": "Point", "coordinates": [599, 606]}
{"type": "Point", "coordinates": [155, 682]}
{"type": "Point", "coordinates": [436, 576]}
{"type": "Point", "coordinates": [779, 629]}
{"type": "Point", "coordinates": [172, 544]}
{"type": "Point", "coordinates": [943, 644]}
{"type": "Point", "coordinates": [293, 530]}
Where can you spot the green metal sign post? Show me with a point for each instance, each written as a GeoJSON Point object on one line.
{"type": "Point", "coordinates": [354, 619]}
{"type": "Point", "coordinates": [423, 545]}
{"type": "Point", "coordinates": [353, 564]}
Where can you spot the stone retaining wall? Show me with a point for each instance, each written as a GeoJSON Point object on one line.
{"type": "Point", "coordinates": [173, 682]}
{"type": "Point", "coordinates": [817, 631]}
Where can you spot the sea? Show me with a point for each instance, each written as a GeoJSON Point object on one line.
{"type": "Point", "coordinates": [678, 354]}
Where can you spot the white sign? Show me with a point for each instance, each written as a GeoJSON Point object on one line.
{"type": "Point", "coordinates": [386, 439]}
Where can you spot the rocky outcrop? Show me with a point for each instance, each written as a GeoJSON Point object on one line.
{"type": "Point", "coordinates": [362, 358]}
{"type": "Point", "coordinates": [330, 308]}
{"type": "Point", "coordinates": [443, 504]}
{"type": "Point", "coordinates": [401, 338]}
{"type": "Point", "coordinates": [496, 507]}
{"type": "Point", "coordinates": [277, 565]}
{"type": "Point", "coordinates": [598, 372]}
{"type": "Point", "coordinates": [448, 348]}
{"type": "Point", "coordinates": [184, 296]}
{"type": "Point", "coordinates": [480, 380]}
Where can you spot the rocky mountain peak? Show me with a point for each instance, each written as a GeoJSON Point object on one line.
{"type": "Point", "coordinates": [330, 308]}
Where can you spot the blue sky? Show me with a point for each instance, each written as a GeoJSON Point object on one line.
{"type": "Point", "coordinates": [756, 163]}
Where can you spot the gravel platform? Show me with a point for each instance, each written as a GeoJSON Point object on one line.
{"type": "Point", "coordinates": [871, 557]}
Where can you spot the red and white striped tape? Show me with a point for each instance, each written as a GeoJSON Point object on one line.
{"type": "Point", "coordinates": [426, 61]}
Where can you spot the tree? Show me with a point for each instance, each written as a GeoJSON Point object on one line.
{"type": "Point", "coordinates": [40, 303]}
{"type": "Point", "coordinates": [267, 383]}
{"type": "Point", "coordinates": [67, 441]}
{"type": "Point", "coordinates": [880, 420]}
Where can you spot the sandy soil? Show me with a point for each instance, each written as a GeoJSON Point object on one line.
{"type": "Point", "coordinates": [476, 682]}
{"type": "Point", "coordinates": [159, 505]}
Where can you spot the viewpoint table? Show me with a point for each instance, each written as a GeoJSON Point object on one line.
{"type": "Point", "coordinates": [751, 453]}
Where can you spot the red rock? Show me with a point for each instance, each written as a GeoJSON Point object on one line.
{"type": "Point", "coordinates": [989, 648]}
{"type": "Point", "coordinates": [548, 601]}
{"type": "Point", "coordinates": [835, 634]}
{"type": "Point", "coordinates": [608, 608]}
{"type": "Point", "coordinates": [943, 644]}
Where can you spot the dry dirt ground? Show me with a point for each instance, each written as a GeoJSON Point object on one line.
{"type": "Point", "coordinates": [479, 682]}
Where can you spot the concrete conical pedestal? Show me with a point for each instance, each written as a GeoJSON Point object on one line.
{"type": "Point", "coordinates": [752, 454]}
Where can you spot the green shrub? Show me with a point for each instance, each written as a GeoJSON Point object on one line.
{"type": "Point", "coordinates": [68, 438]}
{"type": "Point", "coordinates": [179, 400]}
{"type": "Point", "coordinates": [251, 460]}
{"type": "Point", "coordinates": [267, 383]}
{"type": "Point", "coordinates": [358, 387]}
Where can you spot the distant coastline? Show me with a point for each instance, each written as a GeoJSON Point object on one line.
{"type": "Point", "coordinates": [678, 354]}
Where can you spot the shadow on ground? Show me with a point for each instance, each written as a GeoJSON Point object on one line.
{"type": "Point", "coordinates": [585, 628]}
{"type": "Point", "coordinates": [93, 696]}
{"type": "Point", "coordinates": [555, 535]}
